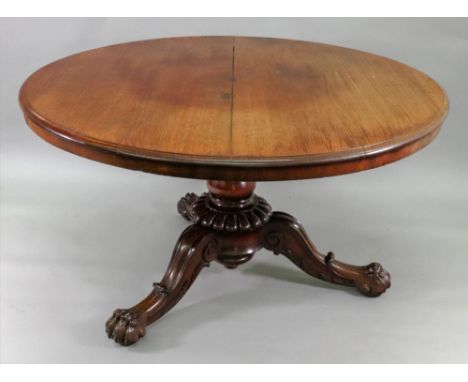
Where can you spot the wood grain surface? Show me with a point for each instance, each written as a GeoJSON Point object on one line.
{"type": "Point", "coordinates": [234, 108]}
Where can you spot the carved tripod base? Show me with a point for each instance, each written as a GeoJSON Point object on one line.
{"type": "Point", "coordinates": [230, 224]}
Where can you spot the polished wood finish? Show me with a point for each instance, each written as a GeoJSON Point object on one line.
{"type": "Point", "coordinates": [228, 207]}
{"type": "Point", "coordinates": [199, 245]}
{"type": "Point", "coordinates": [231, 189]}
{"type": "Point", "coordinates": [285, 235]}
{"type": "Point", "coordinates": [196, 247]}
{"type": "Point", "coordinates": [234, 108]}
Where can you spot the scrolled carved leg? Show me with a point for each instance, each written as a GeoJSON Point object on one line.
{"type": "Point", "coordinates": [283, 234]}
{"type": "Point", "coordinates": [195, 249]}
{"type": "Point", "coordinates": [231, 224]}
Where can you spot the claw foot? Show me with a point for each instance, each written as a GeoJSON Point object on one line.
{"type": "Point", "coordinates": [184, 204]}
{"type": "Point", "coordinates": [125, 327]}
{"type": "Point", "coordinates": [375, 280]}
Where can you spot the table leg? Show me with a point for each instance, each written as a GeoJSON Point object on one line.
{"type": "Point", "coordinates": [195, 249]}
{"type": "Point", "coordinates": [283, 234]}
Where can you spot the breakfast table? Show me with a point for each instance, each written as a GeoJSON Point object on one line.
{"type": "Point", "coordinates": [234, 111]}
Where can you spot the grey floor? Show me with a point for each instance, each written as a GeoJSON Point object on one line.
{"type": "Point", "coordinates": [79, 238]}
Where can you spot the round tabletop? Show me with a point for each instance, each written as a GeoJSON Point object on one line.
{"type": "Point", "coordinates": [234, 108]}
